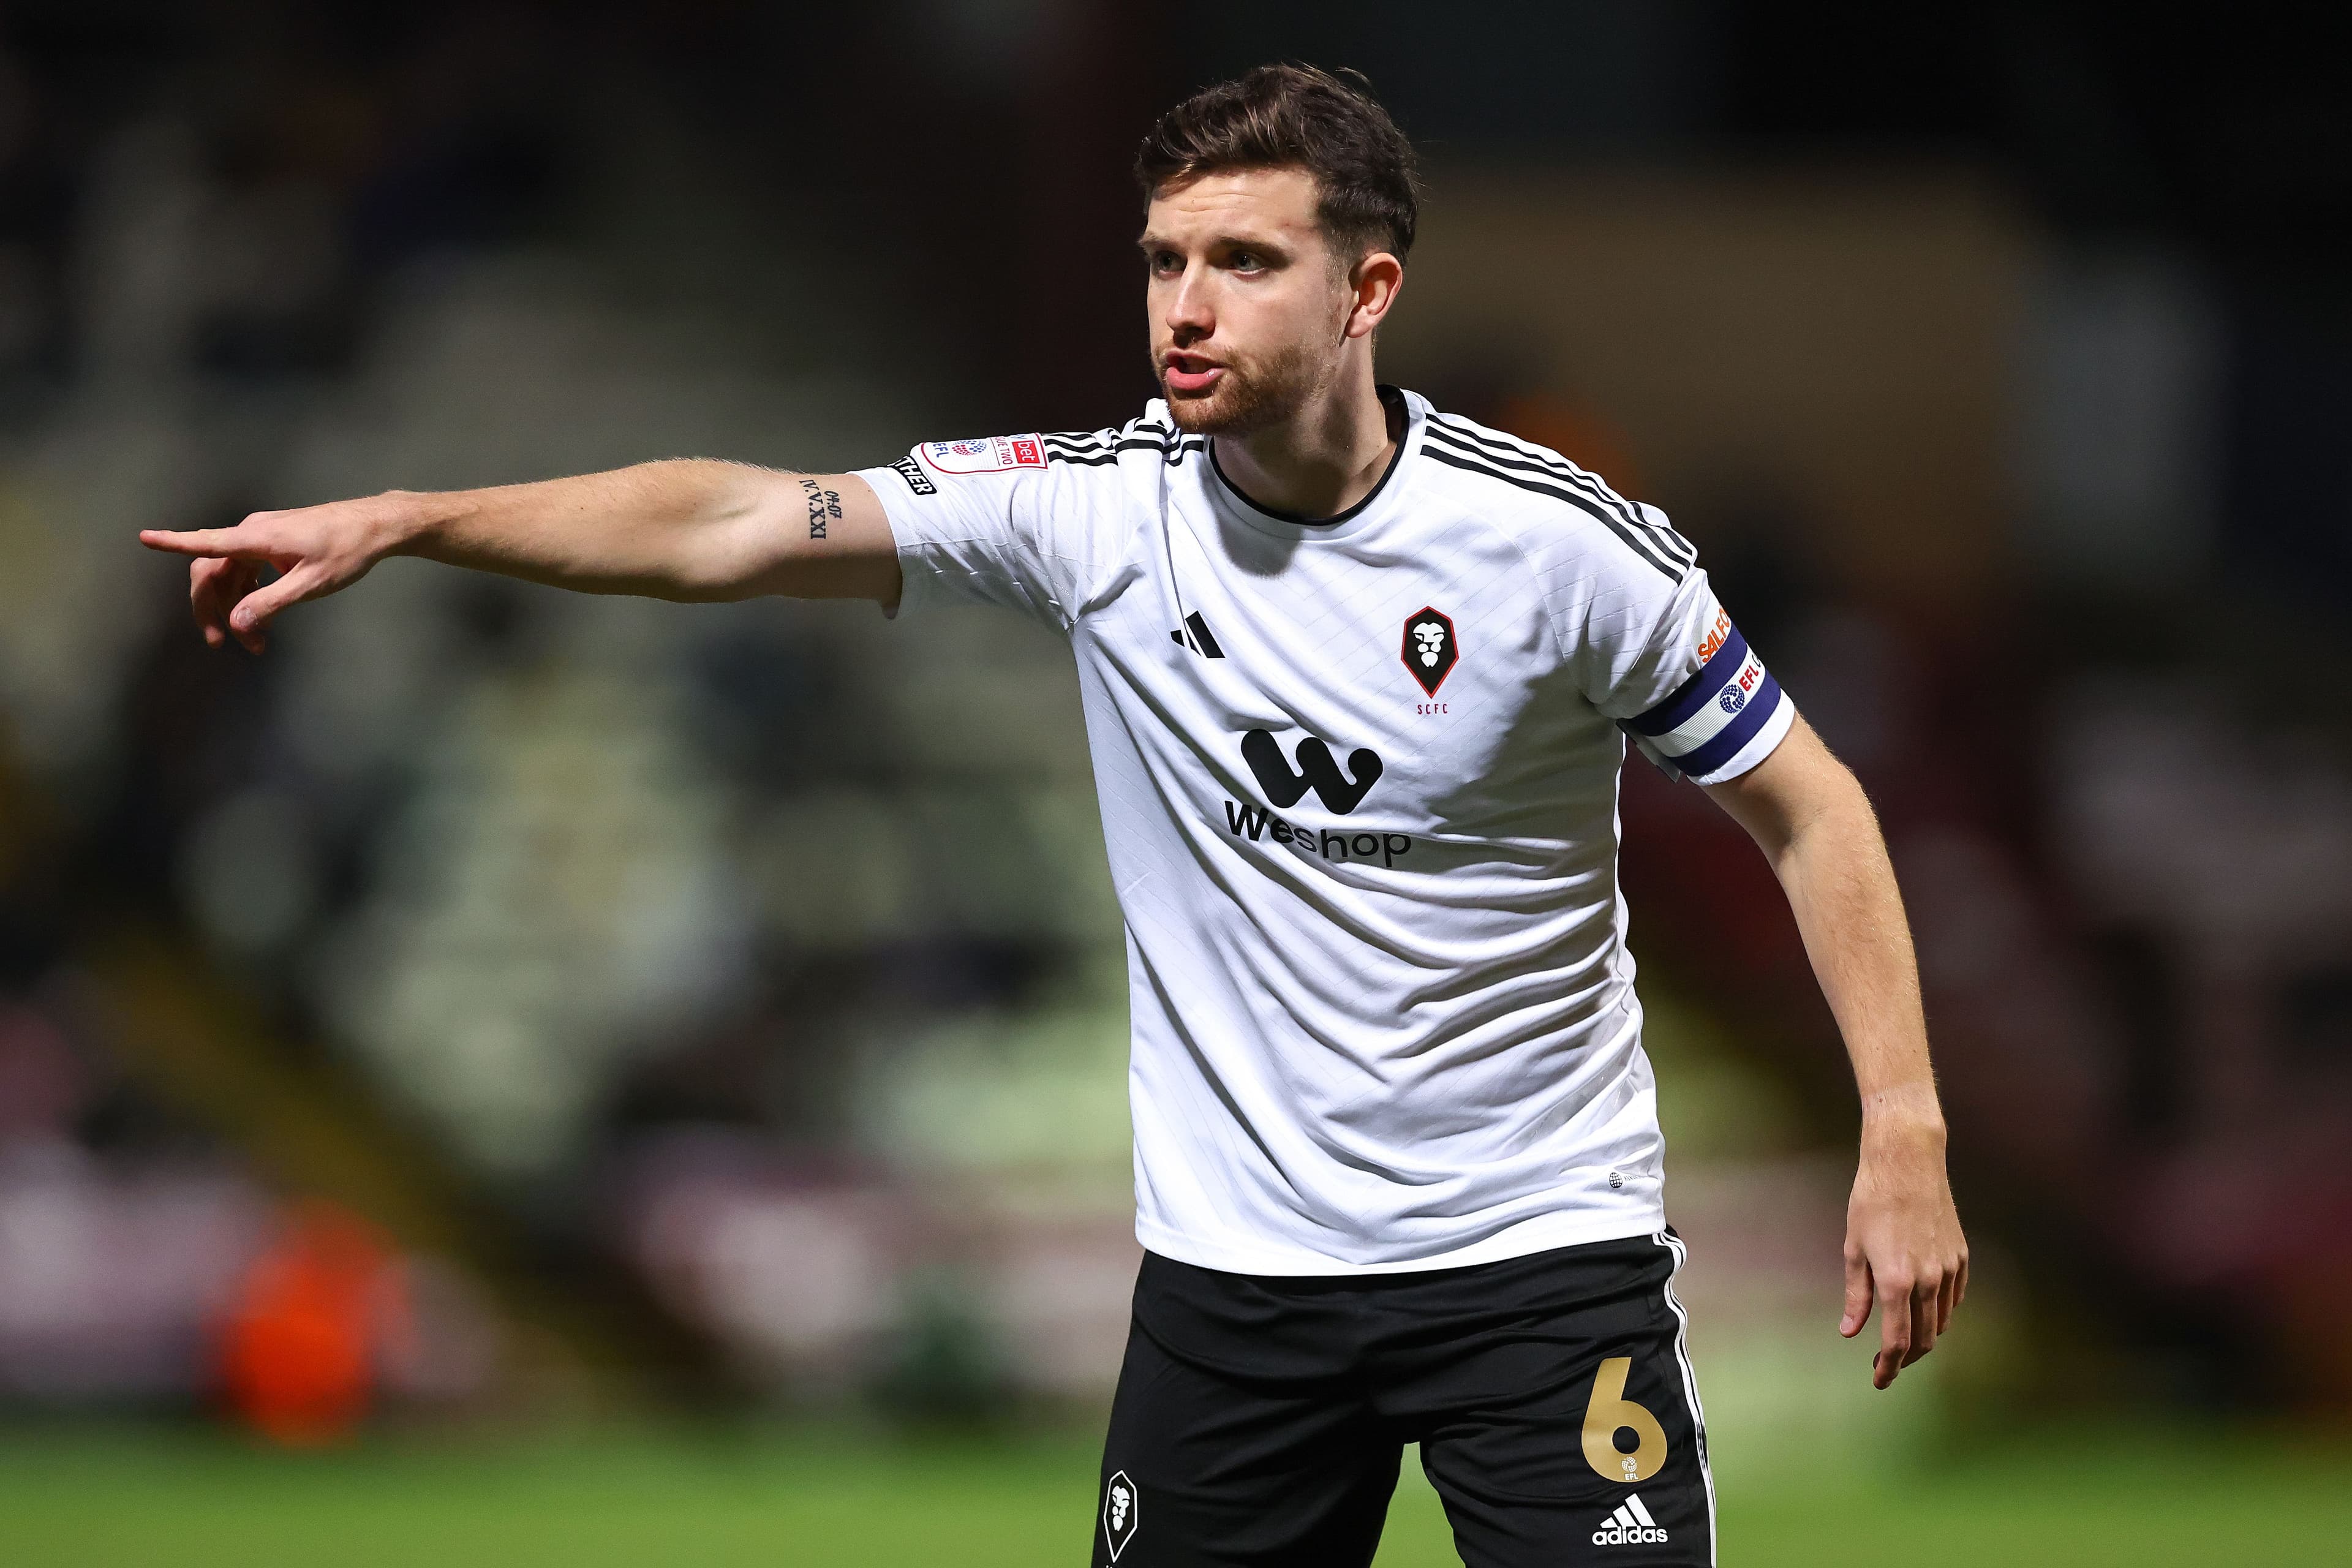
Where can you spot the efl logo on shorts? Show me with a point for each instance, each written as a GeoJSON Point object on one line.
{"type": "Point", "coordinates": [1120, 1513]}
{"type": "Point", "coordinates": [985, 454]}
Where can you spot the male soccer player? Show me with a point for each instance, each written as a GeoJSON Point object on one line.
{"type": "Point", "coordinates": [1358, 676]}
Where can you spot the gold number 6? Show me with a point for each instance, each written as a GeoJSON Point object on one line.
{"type": "Point", "coordinates": [1610, 1410]}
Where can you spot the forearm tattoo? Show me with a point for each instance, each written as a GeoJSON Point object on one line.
{"type": "Point", "coordinates": [824, 507]}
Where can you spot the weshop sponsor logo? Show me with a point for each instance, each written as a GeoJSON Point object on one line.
{"type": "Point", "coordinates": [1341, 794]}
{"type": "Point", "coordinates": [1245, 821]}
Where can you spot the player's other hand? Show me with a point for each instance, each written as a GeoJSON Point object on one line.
{"type": "Point", "coordinates": [313, 551]}
{"type": "Point", "coordinates": [1905, 1253]}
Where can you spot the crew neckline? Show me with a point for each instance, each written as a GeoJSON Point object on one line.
{"type": "Point", "coordinates": [1291, 525]}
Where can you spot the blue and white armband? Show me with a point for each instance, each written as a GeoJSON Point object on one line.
{"type": "Point", "coordinates": [1720, 722]}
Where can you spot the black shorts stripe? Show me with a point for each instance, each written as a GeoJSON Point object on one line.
{"type": "Point", "coordinates": [1590, 483]}
{"type": "Point", "coordinates": [1674, 1244]}
{"type": "Point", "coordinates": [1495, 469]}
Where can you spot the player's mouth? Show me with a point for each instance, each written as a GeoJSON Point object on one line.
{"type": "Point", "coordinates": [1190, 375]}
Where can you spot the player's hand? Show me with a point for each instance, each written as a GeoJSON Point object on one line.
{"type": "Point", "coordinates": [1905, 1253]}
{"type": "Point", "coordinates": [314, 549]}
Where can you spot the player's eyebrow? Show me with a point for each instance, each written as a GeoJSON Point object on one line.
{"type": "Point", "coordinates": [1274, 250]}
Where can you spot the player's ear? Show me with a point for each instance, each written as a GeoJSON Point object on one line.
{"type": "Point", "coordinates": [1372, 285]}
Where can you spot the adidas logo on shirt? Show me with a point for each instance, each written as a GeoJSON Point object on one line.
{"type": "Point", "coordinates": [1630, 1525]}
{"type": "Point", "coordinates": [1196, 636]}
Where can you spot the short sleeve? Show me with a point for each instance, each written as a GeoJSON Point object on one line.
{"type": "Point", "coordinates": [1658, 653]}
{"type": "Point", "coordinates": [996, 520]}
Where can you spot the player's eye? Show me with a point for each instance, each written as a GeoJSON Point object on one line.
{"type": "Point", "coordinates": [1245, 261]}
{"type": "Point", "coordinates": [1167, 263]}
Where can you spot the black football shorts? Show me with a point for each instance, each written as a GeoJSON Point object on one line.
{"type": "Point", "coordinates": [1262, 1421]}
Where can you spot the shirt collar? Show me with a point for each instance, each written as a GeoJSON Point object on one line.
{"type": "Point", "coordinates": [1375, 504]}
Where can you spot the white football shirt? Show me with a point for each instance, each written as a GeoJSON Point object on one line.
{"type": "Point", "coordinates": [1358, 786]}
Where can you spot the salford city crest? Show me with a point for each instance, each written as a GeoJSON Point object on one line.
{"type": "Point", "coordinates": [1118, 1515]}
{"type": "Point", "coordinates": [1429, 648]}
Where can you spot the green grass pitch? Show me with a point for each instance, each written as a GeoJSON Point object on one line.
{"type": "Point", "coordinates": [72, 1498]}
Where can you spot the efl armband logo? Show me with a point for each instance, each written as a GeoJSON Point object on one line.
{"type": "Point", "coordinates": [1735, 696]}
{"type": "Point", "coordinates": [985, 454]}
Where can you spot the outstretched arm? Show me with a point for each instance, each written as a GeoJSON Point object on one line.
{"type": "Point", "coordinates": [687, 529]}
{"type": "Point", "coordinates": [1903, 1247]}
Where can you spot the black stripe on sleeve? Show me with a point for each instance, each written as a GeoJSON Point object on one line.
{"type": "Point", "coordinates": [1478, 463]}
{"type": "Point", "coordinates": [1081, 448]}
{"type": "Point", "coordinates": [1493, 446]}
{"type": "Point", "coordinates": [1167, 438]}
{"type": "Point", "coordinates": [1666, 533]}
{"type": "Point", "coordinates": [1103, 446]}
{"type": "Point", "coordinates": [1174, 451]}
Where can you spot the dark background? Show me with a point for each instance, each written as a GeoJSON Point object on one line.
{"type": "Point", "coordinates": [720, 1008]}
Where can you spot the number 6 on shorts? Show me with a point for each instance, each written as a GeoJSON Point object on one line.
{"type": "Point", "coordinates": [1608, 1411]}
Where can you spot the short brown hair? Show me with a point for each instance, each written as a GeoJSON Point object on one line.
{"type": "Point", "coordinates": [1296, 116]}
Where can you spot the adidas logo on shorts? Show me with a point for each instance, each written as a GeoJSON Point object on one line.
{"type": "Point", "coordinates": [1629, 1526]}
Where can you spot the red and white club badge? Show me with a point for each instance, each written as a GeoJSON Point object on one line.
{"type": "Point", "coordinates": [1431, 648]}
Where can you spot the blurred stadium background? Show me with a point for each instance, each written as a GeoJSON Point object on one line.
{"type": "Point", "coordinates": [516, 1078]}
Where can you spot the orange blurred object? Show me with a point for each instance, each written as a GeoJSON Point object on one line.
{"type": "Point", "coordinates": [312, 1316]}
{"type": "Point", "coordinates": [1576, 433]}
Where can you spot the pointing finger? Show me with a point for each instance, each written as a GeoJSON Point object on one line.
{"type": "Point", "coordinates": [238, 541]}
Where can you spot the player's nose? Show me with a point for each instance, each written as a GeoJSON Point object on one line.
{"type": "Point", "coordinates": [1188, 306]}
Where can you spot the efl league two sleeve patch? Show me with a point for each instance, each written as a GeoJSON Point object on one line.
{"type": "Point", "coordinates": [983, 454]}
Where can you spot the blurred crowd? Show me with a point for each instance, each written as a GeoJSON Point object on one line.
{"type": "Point", "coordinates": [493, 990]}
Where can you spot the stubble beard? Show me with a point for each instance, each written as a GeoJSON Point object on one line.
{"type": "Point", "coordinates": [1249, 398]}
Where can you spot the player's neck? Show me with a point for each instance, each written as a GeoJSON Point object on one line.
{"type": "Point", "coordinates": [1323, 460]}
